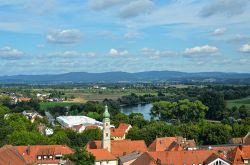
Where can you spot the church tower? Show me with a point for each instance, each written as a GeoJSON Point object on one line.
{"type": "Point", "coordinates": [106, 143]}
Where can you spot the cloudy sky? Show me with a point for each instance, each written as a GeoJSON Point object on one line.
{"type": "Point", "coordinates": [58, 36]}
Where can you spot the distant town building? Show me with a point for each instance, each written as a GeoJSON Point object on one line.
{"type": "Point", "coordinates": [31, 115]}
{"type": "Point", "coordinates": [22, 99]}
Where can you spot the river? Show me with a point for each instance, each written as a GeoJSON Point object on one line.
{"type": "Point", "coordinates": [140, 108]}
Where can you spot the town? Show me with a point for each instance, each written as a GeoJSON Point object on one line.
{"type": "Point", "coordinates": [38, 130]}
{"type": "Point", "coordinates": [124, 82]}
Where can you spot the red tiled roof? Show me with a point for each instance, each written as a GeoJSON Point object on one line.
{"type": "Point", "coordinates": [170, 143]}
{"type": "Point", "coordinates": [120, 131]}
{"type": "Point", "coordinates": [174, 157]}
{"type": "Point", "coordinates": [144, 159]}
{"type": "Point", "coordinates": [123, 126]}
{"type": "Point", "coordinates": [24, 99]}
{"type": "Point", "coordinates": [117, 133]}
{"type": "Point", "coordinates": [120, 147]}
{"type": "Point", "coordinates": [10, 156]}
{"type": "Point", "coordinates": [102, 155]}
{"type": "Point", "coordinates": [30, 153]}
{"type": "Point", "coordinates": [161, 144]}
{"type": "Point", "coordinates": [91, 127]}
{"type": "Point", "coordinates": [239, 154]}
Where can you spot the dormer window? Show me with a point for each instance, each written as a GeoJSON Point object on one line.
{"type": "Point", "coordinates": [39, 157]}
{"type": "Point", "coordinates": [50, 157]}
{"type": "Point", "coordinates": [45, 157]}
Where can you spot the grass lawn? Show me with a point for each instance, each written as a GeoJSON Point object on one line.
{"type": "Point", "coordinates": [45, 105]}
{"type": "Point", "coordinates": [239, 102]}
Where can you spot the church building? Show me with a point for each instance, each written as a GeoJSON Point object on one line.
{"type": "Point", "coordinates": [107, 151]}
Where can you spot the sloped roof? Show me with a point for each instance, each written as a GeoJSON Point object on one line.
{"type": "Point", "coordinates": [120, 131]}
{"type": "Point", "coordinates": [30, 153]}
{"type": "Point", "coordinates": [123, 126]}
{"type": "Point", "coordinates": [170, 143]}
{"type": "Point", "coordinates": [144, 159]}
{"type": "Point", "coordinates": [240, 153]}
{"type": "Point", "coordinates": [10, 156]}
{"type": "Point", "coordinates": [129, 157]}
{"type": "Point", "coordinates": [102, 155]}
{"type": "Point", "coordinates": [120, 147]}
{"type": "Point", "coordinates": [161, 144]}
{"type": "Point", "coordinates": [174, 157]}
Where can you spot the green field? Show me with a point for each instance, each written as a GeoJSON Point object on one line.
{"type": "Point", "coordinates": [45, 105]}
{"type": "Point", "coordinates": [239, 102]}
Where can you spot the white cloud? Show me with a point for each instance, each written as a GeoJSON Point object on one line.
{"type": "Point", "coordinates": [90, 54]}
{"type": "Point", "coordinates": [238, 38]}
{"type": "Point", "coordinates": [66, 54]}
{"type": "Point", "coordinates": [244, 61]}
{"type": "Point", "coordinates": [154, 54]}
{"type": "Point", "coordinates": [9, 53]}
{"type": "Point", "coordinates": [40, 46]}
{"type": "Point", "coordinates": [135, 8]}
{"type": "Point", "coordinates": [131, 35]}
{"type": "Point", "coordinates": [103, 4]}
{"type": "Point", "coordinates": [245, 48]}
{"type": "Point", "coordinates": [206, 49]}
{"type": "Point", "coordinates": [224, 7]}
{"type": "Point", "coordinates": [219, 31]}
{"type": "Point", "coordinates": [66, 36]}
{"type": "Point", "coordinates": [115, 52]}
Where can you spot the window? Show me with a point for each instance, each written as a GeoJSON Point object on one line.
{"type": "Point", "coordinates": [39, 157]}
{"type": "Point", "coordinates": [107, 134]}
{"type": "Point", "coordinates": [50, 157]}
{"type": "Point", "coordinates": [44, 157]}
{"type": "Point", "coordinates": [107, 124]}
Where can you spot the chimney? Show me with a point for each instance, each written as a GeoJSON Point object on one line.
{"type": "Point", "coordinates": [158, 161]}
{"type": "Point", "coordinates": [28, 150]}
{"type": "Point", "coordinates": [240, 147]}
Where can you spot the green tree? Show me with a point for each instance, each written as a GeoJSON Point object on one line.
{"type": "Point", "coordinates": [119, 118]}
{"type": "Point", "coordinates": [183, 110]}
{"type": "Point", "coordinates": [216, 104]}
{"type": "Point", "coordinates": [80, 157]}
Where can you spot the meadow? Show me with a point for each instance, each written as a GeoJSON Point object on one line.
{"type": "Point", "coordinates": [238, 102]}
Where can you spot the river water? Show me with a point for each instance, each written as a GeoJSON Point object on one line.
{"type": "Point", "coordinates": [140, 108]}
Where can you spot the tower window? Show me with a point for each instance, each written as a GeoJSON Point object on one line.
{"type": "Point", "coordinates": [107, 124]}
{"type": "Point", "coordinates": [107, 134]}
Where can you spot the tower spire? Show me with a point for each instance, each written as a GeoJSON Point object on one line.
{"type": "Point", "coordinates": [106, 143]}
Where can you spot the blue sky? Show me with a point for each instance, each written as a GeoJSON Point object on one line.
{"type": "Point", "coordinates": [58, 36]}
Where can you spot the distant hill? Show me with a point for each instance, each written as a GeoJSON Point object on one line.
{"type": "Point", "coordinates": [114, 77]}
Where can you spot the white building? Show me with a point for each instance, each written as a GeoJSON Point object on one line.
{"type": "Point", "coordinates": [74, 121]}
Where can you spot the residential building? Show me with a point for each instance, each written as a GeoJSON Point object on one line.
{"type": "Point", "coordinates": [198, 157]}
{"type": "Point", "coordinates": [44, 154]}
{"type": "Point", "coordinates": [241, 140]}
{"type": "Point", "coordinates": [120, 132]}
{"type": "Point", "coordinates": [129, 158]}
{"type": "Point", "coordinates": [172, 143]}
{"type": "Point", "coordinates": [240, 155]}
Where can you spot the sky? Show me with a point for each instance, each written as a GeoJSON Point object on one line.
{"type": "Point", "coordinates": [60, 36]}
